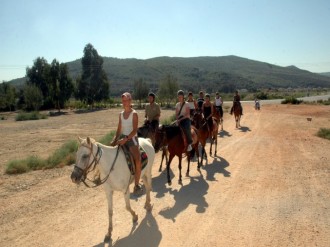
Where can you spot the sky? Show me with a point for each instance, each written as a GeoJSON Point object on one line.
{"type": "Point", "coordinates": [280, 32]}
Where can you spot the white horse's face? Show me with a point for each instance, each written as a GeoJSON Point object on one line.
{"type": "Point", "coordinates": [83, 160]}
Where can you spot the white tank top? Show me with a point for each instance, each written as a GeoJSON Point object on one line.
{"type": "Point", "coordinates": [127, 124]}
{"type": "Point", "coordinates": [191, 104]}
{"type": "Point", "coordinates": [218, 102]}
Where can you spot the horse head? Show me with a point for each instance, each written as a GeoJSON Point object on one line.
{"type": "Point", "coordinates": [160, 138]}
{"type": "Point", "coordinates": [197, 119]}
{"type": "Point", "coordinates": [84, 163]}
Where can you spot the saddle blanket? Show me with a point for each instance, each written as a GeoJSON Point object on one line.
{"type": "Point", "coordinates": [130, 160]}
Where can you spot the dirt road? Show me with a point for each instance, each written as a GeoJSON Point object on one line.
{"type": "Point", "coordinates": [268, 186]}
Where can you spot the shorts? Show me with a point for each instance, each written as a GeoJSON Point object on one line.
{"type": "Point", "coordinates": [134, 141]}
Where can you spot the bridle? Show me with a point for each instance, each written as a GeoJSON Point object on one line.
{"type": "Point", "coordinates": [91, 167]}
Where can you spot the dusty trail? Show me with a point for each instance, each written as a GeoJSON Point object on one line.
{"type": "Point", "coordinates": [267, 187]}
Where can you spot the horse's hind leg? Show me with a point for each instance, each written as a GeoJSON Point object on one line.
{"type": "Point", "coordinates": [147, 183]}
{"type": "Point", "coordinates": [128, 206]}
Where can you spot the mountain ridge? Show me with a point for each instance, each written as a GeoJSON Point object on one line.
{"type": "Point", "coordinates": [210, 73]}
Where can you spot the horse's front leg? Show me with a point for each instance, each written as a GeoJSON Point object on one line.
{"type": "Point", "coordinates": [189, 157]}
{"type": "Point", "coordinates": [168, 169]}
{"type": "Point", "coordinates": [109, 195]}
{"type": "Point", "coordinates": [180, 167]}
{"type": "Point", "coordinates": [128, 206]}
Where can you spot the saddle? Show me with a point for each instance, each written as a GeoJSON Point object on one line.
{"type": "Point", "coordinates": [130, 160]}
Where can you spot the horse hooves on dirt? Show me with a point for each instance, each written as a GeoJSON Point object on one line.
{"type": "Point", "coordinates": [135, 218]}
{"type": "Point", "coordinates": [107, 238]}
{"type": "Point", "coordinates": [148, 207]}
{"type": "Point", "coordinates": [169, 183]}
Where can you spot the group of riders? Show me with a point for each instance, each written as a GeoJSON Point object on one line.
{"type": "Point", "coordinates": [127, 129]}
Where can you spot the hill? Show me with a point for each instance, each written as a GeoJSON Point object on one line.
{"type": "Point", "coordinates": [225, 73]}
{"type": "Point", "coordinates": [325, 74]}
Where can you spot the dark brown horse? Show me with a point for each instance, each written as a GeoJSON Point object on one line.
{"type": "Point", "coordinates": [172, 137]}
{"type": "Point", "coordinates": [146, 131]}
{"type": "Point", "coordinates": [204, 133]}
{"type": "Point", "coordinates": [237, 113]}
{"type": "Point", "coordinates": [218, 116]}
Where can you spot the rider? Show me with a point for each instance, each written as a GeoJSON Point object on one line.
{"type": "Point", "coordinates": [200, 101]}
{"type": "Point", "coordinates": [207, 110]}
{"type": "Point", "coordinates": [152, 112]}
{"type": "Point", "coordinates": [192, 104]}
{"type": "Point", "coordinates": [237, 99]}
{"type": "Point", "coordinates": [126, 134]}
{"type": "Point", "coordinates": [182, 112]}
{"type": "Point", "coordinates": [218, 104]}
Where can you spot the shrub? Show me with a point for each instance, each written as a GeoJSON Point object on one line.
{"type": "Point", "coordinates": [106, 140]}
{"type": "Point", "coordinates": [17, 167]}
{"type": "Point", "coordinates": [324, 133]}
{"type": "Point", "coordinates": [24, 116]}
{"type": "Point", "coordinates": [291, 100]}
{"type": "Point", "coordinates": [63, 155]}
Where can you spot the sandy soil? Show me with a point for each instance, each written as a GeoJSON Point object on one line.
{"type": "Point", "coordinates": [268, 186]}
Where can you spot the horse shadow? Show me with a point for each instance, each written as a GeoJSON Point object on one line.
{"type": "Point", "coordinates": [224, 133]}
{"type": "Point", "coordinates": [217, 166]}
{"type": "Point", "coordinates": [244, 129]}
{"type": "Point", "coordinates": [146, 233]}
{"type": "Point", "coordinates": [159, 183]}
{"type": "Point", "coordinates": [192, 193]}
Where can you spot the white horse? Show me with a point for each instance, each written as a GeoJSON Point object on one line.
{"type": "Point", "coordinates": [115, 174]}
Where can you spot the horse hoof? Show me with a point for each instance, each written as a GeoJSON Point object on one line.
{"type": "Point", "coordinates": [187, 174]}
{"type": "Point", "coordinates": [107, 238]}
{"type": "Point", "coordinates": [169, 183]}
{"type": "Point", "coordinates": [135, 218]}
{"type": "Point", "coordinates": [148, 207]}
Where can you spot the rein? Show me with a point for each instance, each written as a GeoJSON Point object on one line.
{"type": "Point", "coordinates": [95, 162]}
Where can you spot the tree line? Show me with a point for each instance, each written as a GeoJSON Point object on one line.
{"type": "Point", "coordinates": [50, 86]}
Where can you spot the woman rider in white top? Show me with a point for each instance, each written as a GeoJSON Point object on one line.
{"type": "Point", "coordinates": [126, 134]}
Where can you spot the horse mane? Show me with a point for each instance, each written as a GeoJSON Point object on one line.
{"type": "Point", "coordinates": [172, 131]}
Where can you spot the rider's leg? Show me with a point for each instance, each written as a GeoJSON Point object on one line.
{"type": "Point", "coordinates": [134, 149]}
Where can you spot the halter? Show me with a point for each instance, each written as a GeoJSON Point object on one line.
{"type": "Point", "coordinates": [94, 163]}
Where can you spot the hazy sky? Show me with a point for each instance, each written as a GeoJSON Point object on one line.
{"type": "Point", "coordinates": [280, 32]}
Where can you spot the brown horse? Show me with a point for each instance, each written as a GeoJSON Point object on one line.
{"type": "Point", "coordinates": [218, 116]}
{"type": "Point", "coordinates": [204, 133]}
{"type": "Point", "coordinates": [237, 113]}
{"type": "Point", "coordinates": [146, 131]}
{"type": "Point", "coordinates": [173, 137]}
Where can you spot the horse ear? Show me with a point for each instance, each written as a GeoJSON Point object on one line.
{"type": "Point", "coordinates": [88, 141]}
{"type": "Point", "coordinates": [80, 139]}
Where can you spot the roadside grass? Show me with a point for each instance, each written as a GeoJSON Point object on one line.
{"type": "Point", "coordinates": [324, 133]}
{"type": "Point", "coordinates": [64, 156]}
{"type": "Point", "coordinates": [24, 116]}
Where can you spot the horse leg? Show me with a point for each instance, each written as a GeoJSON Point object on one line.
{"type": "Point", "coordinates": [109, 194]}
{"type": "Point", "coordinates": [180, 166]}
{"type": "Point", "coordinates": [188, 157]}
{"type": "Point", "coordinates": [168, 169]}
{"type": "Point", "coordinates": [128, 206]}
{"type": "Point", "coordinates": [147, 183]}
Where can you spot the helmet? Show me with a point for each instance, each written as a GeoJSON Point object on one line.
{"type": "Point", "coordinates": [127, 95]}
{"type": "Point", "coordinates": [152, 95]}
{"type": "Point", "coordinates": [207, 95]}
{"type": "Point", "coordinates": [180, 92]}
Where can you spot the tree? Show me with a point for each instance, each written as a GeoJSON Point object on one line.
{"type": "Point", "coordinates": [32, 97]}
{"type": "Point", "coordinates": [168, 89]}
{"type": "Point", "coordinates": [39, 75]}
{"type": "Point", "coordinates": [7, 96]}
{"type": "Point", "coordinates": [93, 84]}
{"type": "Point", "coordinates": [140, 90]}
{"type": "Point", "coordinates": [60, 85]}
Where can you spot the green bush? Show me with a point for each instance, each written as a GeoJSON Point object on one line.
{"type": "Point", "coordinates": [63, 155]}
{"type": "Point", "coordinates": [106, 140]}
{"type": "Point", "coordinates": [291, 100]}
{"type": "Point", "coordinates": [24, 116]}
{"type": "Point", "coordinates": [324, 133]}
{"type": "Point", "coordinates": [17, 167]}
{"type": "Point", "coordinates": [169, 120]}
